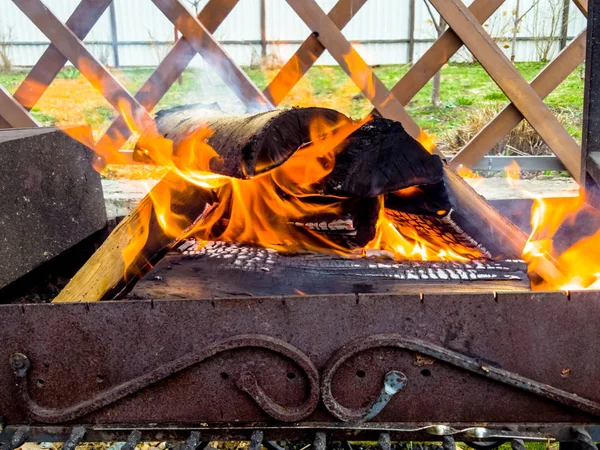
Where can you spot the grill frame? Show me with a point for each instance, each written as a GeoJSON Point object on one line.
{"type": "Point", "coordinates": [458, 323]}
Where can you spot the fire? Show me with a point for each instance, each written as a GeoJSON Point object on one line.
{"type": "Point", "coordinates": [265, 209]}
{"type": "Point", "coordinates": [578, 266]}
{"type": "Point", "coordinates": [513, 174]}
{"type": "Point", "coordinates": [406, 244]}
{"type": "Point", "coordinates": [428, 141]}
{"type": "Point", "coordinates": [578, 263]}
{"type": "Point", "coordinates": [467, 173]}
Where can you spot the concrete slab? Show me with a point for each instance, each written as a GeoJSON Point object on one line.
{"type": "Point", "coordinates": [500, 189]}
{"type": "Point", "coordinates": [50, 198]}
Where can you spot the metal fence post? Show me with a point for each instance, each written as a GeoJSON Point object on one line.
{"type": "Point", "coordinates": [113, 33]}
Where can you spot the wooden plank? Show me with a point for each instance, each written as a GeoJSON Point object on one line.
{"type": "Point", "coordinates": [438, 54]}
{"type": "Point", "coordinates": [582, 5]}
{"type": "Point", "coordinates": [163, 77]}
{"type": "Point", "coordinates": [4, 124]}
{"type": "Point", "coordinates": [13, 113]}
{"type": "Point", "coordinates": [106, 273]}
{"type": "Point", "coordinates": [512, 83]}
{"type": "Point", "coordinates": [52, 60]}
{"type": "Point", "coordinates": [204, 43]}
{"type": "Point", "coordinates": [310, 50]}
{"type": "Point", "coordinates": [544, 83]}
{"type": "Point", "coordinates": [353, 64]}
{"type": "Point", "coordinates": [76, 52]}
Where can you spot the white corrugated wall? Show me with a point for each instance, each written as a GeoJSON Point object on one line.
{"type": "Point", "coordinates": [145, 35]}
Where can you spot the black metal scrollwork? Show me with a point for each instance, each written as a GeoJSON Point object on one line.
{"type": "Point", "coordinates": [246, 382]}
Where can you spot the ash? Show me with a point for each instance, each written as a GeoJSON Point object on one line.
{"type": "Point", "coordinates": [375, 264]}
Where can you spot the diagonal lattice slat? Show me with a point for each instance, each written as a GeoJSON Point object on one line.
{"type": "Point", "coordinates": [512, 83]}
{"type": "Point", "coordinates": [52, 60]}
{"type": "Point", "coordinates": [308, 53]}
{"type": "Point", "coordinates": [77, 53]}
{"type": "Point", "coordinates": [159, 82]}
{"type": "Point", "coordinates": [438, 54]}
{"type": "Point", "coordinates": [204, 43]}
{"type": "Point", "coordinates": [13, 113]}
{"type": "Point", "coordinates": [510, 116]}
{"type": "Point", "coordinates": [353, 64]}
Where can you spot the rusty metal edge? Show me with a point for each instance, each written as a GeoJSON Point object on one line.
{"type": "Point", "coordinates": [426, 432]}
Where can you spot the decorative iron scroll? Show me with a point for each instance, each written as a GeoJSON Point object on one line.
{"type": "Point", "coordinates": [246, 382]}
{"type": "Point", "coordinates": [393, 381]}
{"type": "Point", "coordinates": [448, 356]}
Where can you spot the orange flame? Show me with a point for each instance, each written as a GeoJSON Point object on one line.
{"type": "Point", "coordinates": [266, 210]}
{"type": "Point", "coordinates": [465, 172]}
{"type": "Point", "coordinates": [579, 263]}
{"type": "Point", "coordinates": [513, 174]}
{"type": "Point", "coordinates": [578, 267]}
{"type": "Point", "coordinates": [428, 141]}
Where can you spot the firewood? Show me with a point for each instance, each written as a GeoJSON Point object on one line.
{"type": "Point", "coordinates": [249, 144]}
{"type": "Point", "coordinates": [105, 275]}
{"type": "Point", "coordinates": [378, 158]}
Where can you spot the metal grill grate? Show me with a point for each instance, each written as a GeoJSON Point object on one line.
{"type": "Point", "coordinates": [376, 264]}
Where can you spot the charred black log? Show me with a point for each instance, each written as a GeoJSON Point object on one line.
{"type": "Point", "coordinates": [230, 270]}
{"type": "Point", "coordinates": [381, 157]}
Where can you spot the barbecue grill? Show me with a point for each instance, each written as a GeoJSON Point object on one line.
{"type": "Point", "coordinates": [222, 341]}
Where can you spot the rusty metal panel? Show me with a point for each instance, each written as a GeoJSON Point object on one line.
{"type": "Point", "coordinates": [456, 358]}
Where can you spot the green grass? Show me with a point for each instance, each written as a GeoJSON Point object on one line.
{"type": "Point", "coordinates": [465, 90]}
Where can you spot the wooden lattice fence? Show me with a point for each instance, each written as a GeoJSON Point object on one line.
{"type": "Point", "coordinates": [465, 28]}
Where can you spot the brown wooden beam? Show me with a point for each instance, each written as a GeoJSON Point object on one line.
{"type": "Point", "coordinates": [582, 5]}
{"type": "Point", "coordinates": [438, 54]}
{"type": "Point", "coordinates": [512, 83]}
{"type": "Point", "coordinates": [205, 44]}
{"type": "Point", "coordinates": [310, 50]}
{"type": "Point", "coordinates": [163, 77]}
{"type": "Point", "coordinates": [13, 113]}
{"type": "Point", "coordinates": [52, 60]}
{"type": "Point", "coordinates": [353, 64]}
{"type": "Point", "coordinates": [544, 83]}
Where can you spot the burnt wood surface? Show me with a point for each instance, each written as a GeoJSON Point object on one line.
{"type": "Point", "coordinates": [228, 270]}
{"type": "Point", "coordinates": [381, 157]}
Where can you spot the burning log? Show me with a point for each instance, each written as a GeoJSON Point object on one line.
{"type": "Point", "coordinates": [246, 145]}
{"type": "Point", "coordinates": [249, 145]}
